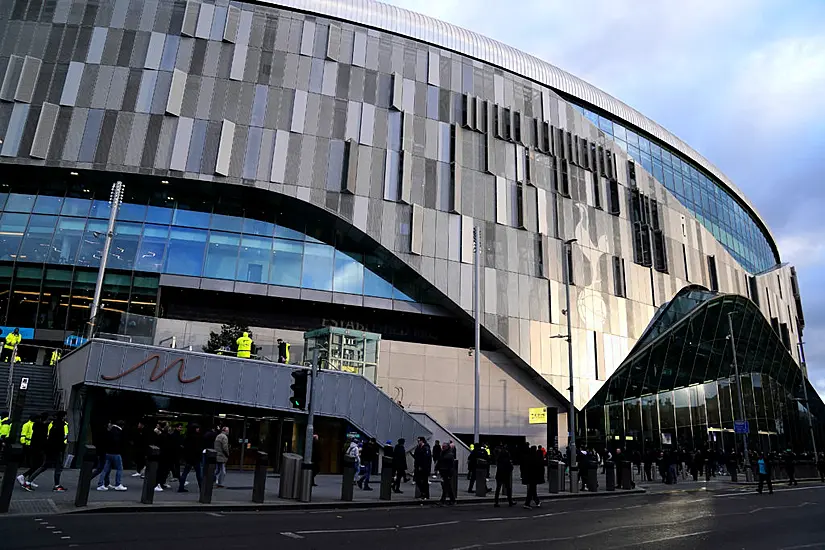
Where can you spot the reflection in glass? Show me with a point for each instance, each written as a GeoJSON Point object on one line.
{"type": "Point", "coordinates": [66, 241]}
{"type": "Point", "coordinates": [254, 258]}
{"type": "Point", "coordinates": [221, 255]}
{"type": "Point", "coordinates": [35, 246]}
{"type": "Point", "coordinates": [286, 269]}
{"type": "Point", "coordinates": [25, 295]}
{"type": "Point", "coordinates": [152, 248]}
{"type": "Point", "coordinates": [349, 273]}
{"type": "Point", "coordinates": [91, 248]}
{"type": "Point", "coordinates": [76, 207]}
{"type": "Point", "coordinates": [317, 268]}
{"type": "Point", "coordinates": [124, 245]}
{"type": "Point", "coordinates": [12, 228]}
{"type": "Point", "coordinates": [54, 298]}
{"type": "Point", "coordinates": [47, 205]}
{"type": "Point", "coordinates": [185, 254]}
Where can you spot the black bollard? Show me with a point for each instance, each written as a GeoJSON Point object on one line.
{"type": "Point", "coordinates": [610, 476]}
{"type": "Point", "coordinates": [734, 475]}
{"type": "Point", "coordinates": [627, 475]}
{"type": "Point", "coordinates": [14, 454]}
{"type": "Point", "coordinates": [386, 478]}
{"type": "Point", "coordinates": [84, 480]}
{"type": "Point", "coordinates": [147, 495]}
{"type": "Point", "coordinates": [553, 476]}
{"type": "Point", "coordinates": [348, 478]}
{"type": "Point", "coordinates": [591, 479]}
{"type": "Point", "coordinates": [481, 478]}
{"type": "Point", "coordinates": [208, 477]}
{"type": "Point", "coordinates": [574, 479]}
{"type": "Point", "coordinates": [259, 481]}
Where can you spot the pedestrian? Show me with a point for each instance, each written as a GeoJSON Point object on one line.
{"type": "Point", "coordinates": [26, 440]}
{"type": "Point", "coordinates": [531, 469]}
{"type": "Point", "coordinates": [175, 451]}
{"type": "Point", "coordinates": [422, 464]}
{"type": "Point", "coordinates": [316, 458]}
{"type": "Point", "coordinates": [399, 465]}
{"type": "Point", "coordinates": [353, 452]}
{"type": "Point", "coordinates": [37, 448]}
{"type": "Point", "coordinates": [504, 476]}
{"type": "Point", "coordinates": [12, 339]}
{"type": "Point", "coordinates": [57, 437]}
{"type": "Point", "coordinates": [113, 446]}
{"type": "Point", "coordinates": [820, 465]}
{"type": "Point", "coordinates": [436, 456]}
{"type": "Point", "coordinates": [161, 440]}
{"type": "Point", "coordinates": [446, 469]}
{"type": "Point", "coordinates": [140, 446]}
{"type": "Point", "coordinates": [222, 455]}
{"type": "Point", "coordinates": [790, 467]}
{"type": "Point", "coordinates": [472, 465]}
{"type": "Point", "coordinates": [369, 453]}
{"type": "Point", "coordinates": [764, 474]}
{"type": "Point", "coordinates": [192, 451]}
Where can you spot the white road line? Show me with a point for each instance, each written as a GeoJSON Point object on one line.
{"type": "Point", "coordinates": [814, 545]}
{"type": "Point", "coordinates": [214, 514]}
{"type": "Point", "coordinates": [430, 524]}
{"type": "Point", "coordinates": [50, 527]}
{"type": "Point", "coordinates": [468, 547]}
{"type": "Point", "coordinates": [57, 532]}
{"type": "Point", "coordinates": [291, 535]}
{"type": "Point", "coordinates": [663, 539]}
{"type": "Point", "coordinates": [65, 538]}
{"type": "Point", "coordinates": [753, 492]}
{"type": "Point", "coordinates": [333, 531]}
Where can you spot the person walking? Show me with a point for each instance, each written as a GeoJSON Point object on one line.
{"type": "Point", "coordinates": [192, 451]}
{"type": "Point", "coordinates": [472, 465]}
{"type": "Point", "coordinates": [820, 466]}
{"type": "Point", "coordinates": [369, 454]}
{"type": "Point", "coordinates": [222, 455]}
{"type": "Point", "coordinates": [113, 447]}
{"type": "Point", "coordinates": [26, 440]}
{"type": "Point", "coordinates": [175, 451]}
{"type": "Point", "coordinates": [446, 469]}
{"type": "Point", "coordinates": [12, 340]}
{"type": "Point", "coordinates": [790, 467]}
{"type": "Point", "coordinates": [161, 440]}
{"type": "Point", "coordinates": [37, 447]}
{"type": "Point", "coordinates": [530, 471]}
{"type": "Point", "coordinates": [57, 437]}
{"type": "Point", "coordinates": [422, 464]}
{"type": "Point", "coordinates": [354, 453]}
{"type": "Point", "coordinates": [399, 465]}
{"type": "Point", "coordinates": [504, 476]}
{"type": "Point", "coordinates": [436, 456]}
{"type": "Point", "coordinates": [140, 445]}
{"type": "Point", "coordinates": [764, 474]}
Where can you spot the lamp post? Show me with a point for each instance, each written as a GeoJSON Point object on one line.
{"type": "Point", "coordinates": [115, 198]}
{"type": "Point", "coordinates": [571, 411]}
{"type": "Point", "coordinates": [800, 346]}
{"type": "Point", "coordinates": [748, 473]}
{"type": "Point", "coordinates": [477, 329]}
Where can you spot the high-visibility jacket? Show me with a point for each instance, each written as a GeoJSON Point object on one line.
{"type": "Point", "coordinates": [55, 357]}
{"type": "Point", "coordinates": [244, 346]}
{"type": "Point", "coordinates": [5, 427]}
{"type": "Point", "coordinates": [12, 340]}
{"type": "Point", "coordinates": [65, 432]}
{"type": "Point", "coordinates": [26, 433]}
{"type": "Point", "coordinates": [283, 351]}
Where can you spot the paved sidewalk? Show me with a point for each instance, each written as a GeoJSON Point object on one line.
{"type": "Point", "coordinates": [237, 495]}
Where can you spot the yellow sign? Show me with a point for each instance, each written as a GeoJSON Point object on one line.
{"type": "Point", "coordinates": [538, 415]}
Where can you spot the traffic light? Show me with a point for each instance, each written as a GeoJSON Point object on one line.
{"type": "Point", "coordinates": [299, 389]}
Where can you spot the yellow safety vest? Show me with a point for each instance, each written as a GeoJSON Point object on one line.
{"type": "Point", "coordinates": [12, 340]}
{"type": "Point", "coordinates": [286, 352]}
{"type": "Point", "coordinates": [26, 433]}
{"type": "Point", "coordinates": [55, 358]}
{"type": "Point", "coordinates": [244, 347]}
{"type": "Point", "coordinates": [5, 427]}
{"type": "Point", "coordinates": [65, 431]}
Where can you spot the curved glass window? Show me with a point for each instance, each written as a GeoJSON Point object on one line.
{"type": "Point", "coordinates": [317, 268]}
{"type": "Point", "coordinates": [38, 238]}
{"type": "Point", "coordinates": [221, 255]}
{"type": "Point", "coordinates": [286, 267]}
{"type": "Point", "coordinates": [186, 250]}
{"type": "Point", "coordinates": [152, 250]}
{"type": "Point", "coordinates": [253, 260]}
{"type": "Point", "coordinates": [12, 229]}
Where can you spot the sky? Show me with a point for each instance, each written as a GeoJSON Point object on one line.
{"type": "Point", "coordinates": [741, 81]}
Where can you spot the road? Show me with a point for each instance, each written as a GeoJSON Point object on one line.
{"type": "Point", "coordinates": [791, 518]}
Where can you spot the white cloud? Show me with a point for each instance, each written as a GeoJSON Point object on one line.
{"type": "Point", "coordinates": [803, 249]}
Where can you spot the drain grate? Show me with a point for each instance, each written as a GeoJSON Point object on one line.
{"type": "Point", "coordinates": [33, 506]}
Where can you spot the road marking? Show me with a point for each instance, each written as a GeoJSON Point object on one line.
{"type": "Point", "coordinates": [50, 527]}
{"type": "Point", "coordinates": [814, 545]}
{"type": "Point", "coordinates": [753, 492]}
{"type": "Point", "coordinates": [214, 514]}
{"type": "Point", "coordinates": [291, 535]}
{"type": "Point", "coordinates": [65, 538]}
{"type": "Point", "coordinates": [57, 532]}
{"type": "Point", "coordinates": [663, 539]}
{"type": "Point", "coordinates": [331, 531]}
{"type": "Point", "coordinates": [468, 547]}
{"type": "Point", "coordinates": [430, 524]}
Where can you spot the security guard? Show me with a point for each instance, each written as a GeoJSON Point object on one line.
{"type": "Point", "coordinates": [55, 357]}
{"type": "Point", "coordinates": [5, 426]}
{"type": "Point", "coordinates": [26, 440]}
{"type": "Point", "coordinates": [244, 346]}
{"type": "Point", "coordinates": [283, 351]}
{"type": "Point", "coordinates": [12, 340]}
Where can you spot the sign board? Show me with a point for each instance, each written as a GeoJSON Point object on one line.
{"type": "Point", "coordinates": [24, 383]}
{"type": "Point", "coordinates": [538, 415]}
{"type": "Point", "coordinates": [25, 333]}
{"type": "Point", "coordinates": [741, 426]}
{"type": "Point", "coordinates": [75, 341]}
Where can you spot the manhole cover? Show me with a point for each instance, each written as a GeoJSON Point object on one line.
{"type": "Point", "coordinates": [33, 506]}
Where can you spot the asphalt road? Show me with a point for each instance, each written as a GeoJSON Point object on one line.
{"type": "Point", "coordinates": [791, 518]}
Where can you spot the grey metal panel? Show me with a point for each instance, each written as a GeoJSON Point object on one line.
{"type": "Point", "coordinates": [278, 171]}
{"type": "Point", "coordinates": [45, 128]}
{"type": "Point", "coordinates": [28, 79]}
{"type": "Point", "coordinates": [307, 37]}
{"type": "Point", "coordinates": [299, 110]}
{"type": "Point", "coordinates": [190, 18]}
{"type": "Point", "coordinates": [225, 148]}
{"type": "Point", "coordinates": [204, 28]}
{"type": "Point", "coordinates": [283, 291]}
{"type": "Point", "coordinates": [180, 149]}
{"type": "Point", "coordinates": [176, 89]}
{"type": "Point", "coordinates": [416, 229]}
{"type": "Point", "coordinates": [333, 42]}
{"type": "Point", "coordinates": [230, 30]}
{"type": "Point", "coordinates": [501, 200]}
{"type": "Point", "coordinates": [179, 281]}
{"type": "Point", "coordinates": [14, 132]}
{"type": "Point", "coordinates": [396, 102]}
{"type": "Point", "coordinates": [405, 183]}
{"type": "Point", "coordinates": [351, 166]}
{"type": "Point", "coordinates": [238, 62]}
{"type": "Point", "coordinates": [10, 79]}
{"type": "Point", "coordinates": [455, 181]}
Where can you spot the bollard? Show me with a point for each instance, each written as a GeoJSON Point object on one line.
{"type": "Point", "coordinates": [386, 478]}
{"type": "Point", "coordinates": [14, 454]}
{"type": "Point", "coordinates": [553, 475]}
{"type": "Point", "coordinates": [208, 477]}
{"type": "Point", "coordinates": [305, 487]}
{"type": "Point", "coordinates": [290, 475]}
{"type": "Point", "coordinates": [481, 478]}
{"type": "Point", "coordinates": [84, 480]}
{"type": "Point", "coordinates": [259, 481]}
{"type": "Point", "coordinates": [610, 476]}
{"type": "Point", "coordinates": [734, 477]}
{"type": "Point", "coordinates": [574, 479]}
{"type": "Point", "coordinates": [627, 475]}
{"type": "Point", "coordinates": [348, 478]}
{"type": "Point", "coordinates": [455, 478]}
{"type": "Point", "coordinates": [147, 495]}
{"type": "Point", "coordinates": [591, 479]}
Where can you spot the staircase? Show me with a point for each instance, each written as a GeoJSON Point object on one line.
{"type": "Point", "coordinates": [40, 396]}
{"type": "Point", "coordinates": [442, 434]}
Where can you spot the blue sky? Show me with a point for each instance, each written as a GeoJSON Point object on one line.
{"type": "Point", "coordinates": [741, 81]}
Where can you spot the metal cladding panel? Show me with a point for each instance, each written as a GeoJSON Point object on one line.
{"type": "Point", "coordinates": [356, 404]}
{"type": "Point", "coordinates": [176, 90]}
{"type": "Point", "coordinates": [45, 128]}
{"type": "Point", "coordinates": [233, 18]}
{"type": "Point", "coordinates": [28, 79]}
{"type": "Point", "coordinates": [212, 387]}
{"type": "Point", "coordinates": [11, 78]}
{"type": "Point", "coordinates": [249, 383]}
{"type": "Point", "coordinates": [190, 18]}
{"type": "Point", "coordinates": [267, 382]}
{"type": "Point", "coordinates": [225, 148]}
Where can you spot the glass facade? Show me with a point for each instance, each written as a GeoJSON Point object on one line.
{"type": "Point", "coordinates": [717, 209]}
{"type": "Point", "coordinates": [679, 387]}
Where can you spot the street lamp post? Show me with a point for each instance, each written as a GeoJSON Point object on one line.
{"type": "Point", "coordinates": [477, 329]}
{"type": "Point", "coordinates": [748, 473]}
{"type": "Point", "coordinates": [571, 411]}
{"type": "Point", "coordinates": [800, 346]}
{"type": "Point", "coordinates": [115, 198]}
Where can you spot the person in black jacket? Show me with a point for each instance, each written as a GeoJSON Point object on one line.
{"type": "Point", "coordinates": [175, 451]}
{"type": "Point", "coordinates": [369, 453]}
{"type": "Point", "coordinates": [192, 451]}
{"type": "Point", "coordinates": [57, 437]}
{"type": "Point", "coordinates": [422, 460]}
{"type": "Point", "coordinates": [436, 456]}
{"type": "Point", "coordinates": [113, 447]}
{"type": "Point", "coordinates": [504, 475]}
{"type": "Point", "coordinates": [399, 465]}
{"type": "Point", "coordinates": [790, 467]}
{"type": "Point", "coordinates": [446, 469]}
{"type": "Point", "coordinates": [37, 449]}
{"type": "Point", "coordinates": [532, 473]}
{"type": "Point", "coordinates": [140, 446]}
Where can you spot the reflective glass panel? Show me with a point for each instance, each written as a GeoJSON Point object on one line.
{"type": "Point", "coordinates": [66, 241]}
{"type": "Point", "coordinates": [186, 251]}
{"type": "Point", "coordinates": [12, 228]}
{"type": "Point", "coordinates": [255, 257]}
{"type": "Point", "coordinates": [286, 269]}
{"type": "Point", "coordinates": [221, 255]}
{"type": "Point", "coordinates": [75, 207]}
{"type": "Point", "coordinates": [35, 246]}
{"type": "Point", "coordinates": [91, 248]}
{"type": "Point", "coordinates": [349, 273]}
{"type": "Point", "coordinates": [317, 267]}
{"type": "Point", "coordinates": [152, 248]}
{"type": "Point", "coordinates": [124, 245]}
{"type": "Point", "coordinates": [19, 203]}
{"type": "Point", "coordinates": [47, 205]}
